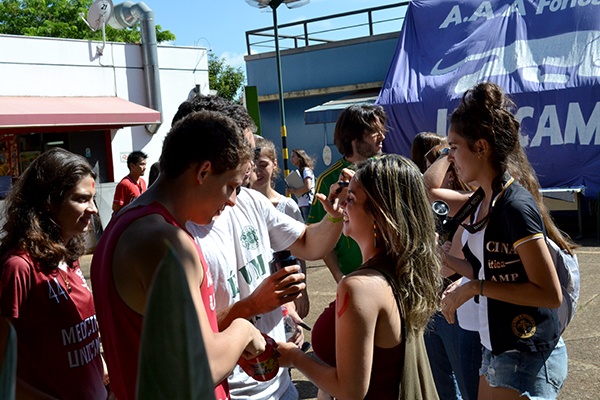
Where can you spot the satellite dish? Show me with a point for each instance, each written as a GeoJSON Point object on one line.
{"type": "Point", "coordinates": [99, 12]}
{"type": "Point", "coordinates": [194, 92]}
{"type": "Point", "coordinates": [258, 3]}
{"type": "Point", "coordinates": [267, 3]}
{"type": "Point", "coordinates": [296, 3]}
{"type": "Point", "coordinates": [327, 155]}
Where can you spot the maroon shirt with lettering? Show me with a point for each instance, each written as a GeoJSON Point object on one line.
{"type": "Point", "coordinates": [58, 346]}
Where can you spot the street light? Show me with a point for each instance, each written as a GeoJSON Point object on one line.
{"type": "Point", "coordinates": [273, 4]}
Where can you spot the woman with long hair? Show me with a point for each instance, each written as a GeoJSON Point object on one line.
{"type": "Point", "coordinates": [506, 257]}
{"type": "Point", "coordinates": [42, 289]}
{"type": "Point", "coordinates": [421, 146]}
{"type": "Point", "coordinates": [306, 193]}
{"type": "Point", "coordinates": [265, 174]}
{"type": "Point", "coordinates": [386, 211]}
{"type": "Point", "coordinates": [454, 350]}
{"type": "Point", "coordinates": [267, 171]}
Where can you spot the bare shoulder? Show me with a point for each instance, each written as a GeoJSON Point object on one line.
{"type": "Point", "coordinates": [147, 237]}
{"type": "Point", "coordinates": [139, 251]}
{"type": "Point", "coordinates": [367, 285]}
{"type": "Point", "coordinates": [370, 300]}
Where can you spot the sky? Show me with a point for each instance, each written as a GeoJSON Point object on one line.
{"type": "Point", "coordinates": [220, 25]}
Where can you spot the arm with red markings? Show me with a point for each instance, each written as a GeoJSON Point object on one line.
{"type": "Point", "coordinates": [359, 302]}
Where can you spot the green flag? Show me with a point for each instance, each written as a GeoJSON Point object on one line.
{"type": "Point", "coordinates": [173, 363]}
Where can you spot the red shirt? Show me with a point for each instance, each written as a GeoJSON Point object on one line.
{"type": "Point", "coordinates": [127, 191]}
{"type": "Point", "coordinates": [121, 326]}
{"type": "Point", "coordinates": [58, 346]}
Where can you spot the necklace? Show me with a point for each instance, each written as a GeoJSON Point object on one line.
{"type": "Point", "coordinates": [66, 279]}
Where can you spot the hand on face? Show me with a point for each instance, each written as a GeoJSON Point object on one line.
{"type": "Point", "coordinates": [333, 203]}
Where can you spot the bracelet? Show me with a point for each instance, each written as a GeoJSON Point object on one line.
{"type": "Point", "coordinates": [481, 287]}
{"type": "Point", "coordinates": [334, 220]}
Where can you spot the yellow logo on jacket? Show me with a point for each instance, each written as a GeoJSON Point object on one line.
{"type": "Point", "coordinates": [523, 326]}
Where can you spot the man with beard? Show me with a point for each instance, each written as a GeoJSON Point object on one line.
{"type": "Point", "coordinates": [359, 134]}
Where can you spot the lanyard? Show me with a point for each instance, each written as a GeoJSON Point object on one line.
{"type": "Point", "coordinates": [474, 201]}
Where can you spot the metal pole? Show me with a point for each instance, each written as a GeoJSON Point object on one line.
{"type": "Point", "coordinates": [284, 150]}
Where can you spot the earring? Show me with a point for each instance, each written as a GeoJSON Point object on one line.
{"type": "Point", "coordinates": [375, 234]}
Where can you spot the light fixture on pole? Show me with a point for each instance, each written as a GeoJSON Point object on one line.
{"type": "Point", "coordinates": [273, 4]}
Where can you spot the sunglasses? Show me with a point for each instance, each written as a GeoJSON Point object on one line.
{"type": "Point", "coordinates": [256, 153]}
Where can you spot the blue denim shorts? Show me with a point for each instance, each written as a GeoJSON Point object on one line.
{"type": "Point", "coordinates": [537, 375]}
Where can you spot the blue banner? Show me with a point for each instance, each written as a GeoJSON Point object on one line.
{"type": "Point", "coordinates": [545, 54]}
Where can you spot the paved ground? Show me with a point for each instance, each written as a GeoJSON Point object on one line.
{"type": "Point", "coordinates": [582, 336]}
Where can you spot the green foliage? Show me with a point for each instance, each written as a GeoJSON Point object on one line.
{"type": "Point", "coordinates": [60, 18]}
{"type": "Point", "coordinates": [224, 78]}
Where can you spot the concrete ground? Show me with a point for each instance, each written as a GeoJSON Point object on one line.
{"type": "Point", "coordinates": [582, 336]}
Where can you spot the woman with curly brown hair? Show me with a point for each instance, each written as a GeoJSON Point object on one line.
{"type": "Point", "coordinates": [42, 289]}
{"type": "Point", "coordinates": [506, 257]}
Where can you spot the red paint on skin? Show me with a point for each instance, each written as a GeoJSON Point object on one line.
{"type": "Point", "coordinates": [344, 306]}
{"type": "Point", "coordinates": [93, 185]}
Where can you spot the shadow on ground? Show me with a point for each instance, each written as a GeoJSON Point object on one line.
{"type": "Point", "coordinates": [306, 389]}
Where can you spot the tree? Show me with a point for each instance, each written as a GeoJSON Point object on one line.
{"type": "Point", "coordinates": [60, 18]}
{"type": "Point", "coordinates": [224, 78]}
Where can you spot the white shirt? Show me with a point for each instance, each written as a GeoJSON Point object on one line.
{"type": "Point", "coordinates": [306, 199]}
{"type": "Point", "coordinates": [238, 247]}
{"type": "Point", "coordinates": [468, 313]}
{"type": "Point", "coordinates": [289, 207]}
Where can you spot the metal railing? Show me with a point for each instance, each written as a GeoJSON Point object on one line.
{"type": "Point", "coordinates": [328, 29]}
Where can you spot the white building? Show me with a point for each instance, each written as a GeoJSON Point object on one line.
{"type": "Point", "coordinates": [61, 92]}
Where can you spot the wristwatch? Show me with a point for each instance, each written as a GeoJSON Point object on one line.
{"type": "Point", "coordinates": [445, 151]}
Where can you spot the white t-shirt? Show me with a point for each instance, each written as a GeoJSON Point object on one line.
{"type": "Point", "coordinates": [468, 313]}
{"type": "Point", "coordinates": [238, 247]}
{"type": "Point", "coordinates": [289, 207]}
{"type": "Point", "coordinates": [306, 199]}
